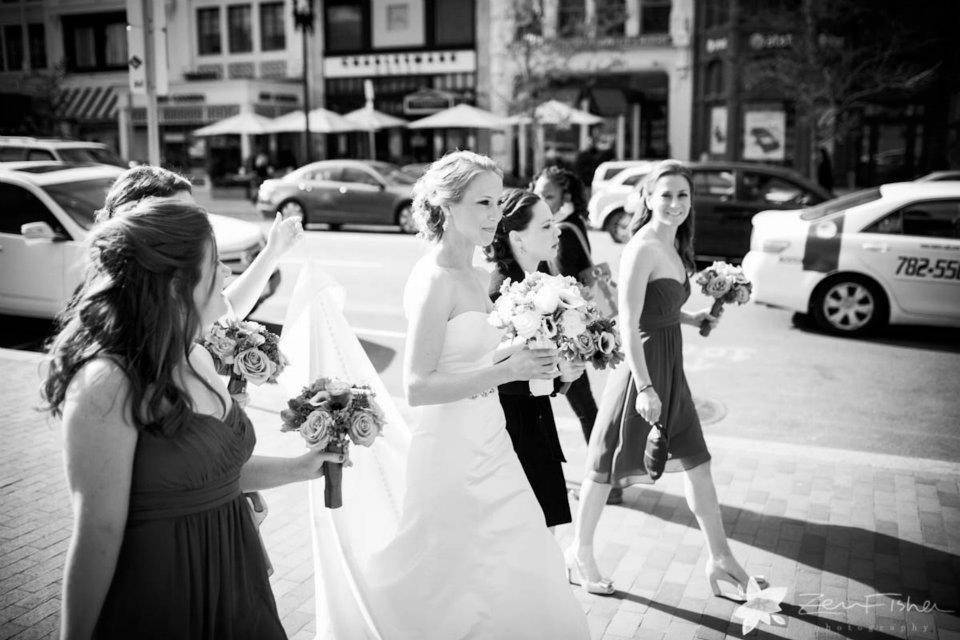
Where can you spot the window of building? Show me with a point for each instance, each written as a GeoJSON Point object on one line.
{"type": "Point", "coordinates": [13, 47]}
{"type": "Point", "coordinates": [611, 18]}
{"type": "Point", "coordinates": [571, 15]}
{"type": "Point", "coordinates": [272, 28]}
{"type": "Point", "coordinates": [714, 79]}
{"type": "Point", "coordinates": [344, 28]}
{"type": "Point", "coordinates": [38, 45]}
{"type": "Point", "coordinates": [715, 13]}
{"type": "Point", "coordinates": [655, 16]}
{"type": "Point", "coordinates": [454, 23]}
{"type": "Point", "coordinates": [208, 31]}
{"type": "Point", "coordinates": [239, 28]}
{"type": "Point", "coordinates": [97, 41]}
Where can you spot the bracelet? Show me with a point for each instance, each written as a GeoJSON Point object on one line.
{"type": "Point", "coordinates": [644, 388]}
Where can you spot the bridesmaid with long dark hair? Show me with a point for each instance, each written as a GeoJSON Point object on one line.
{"type": "Point", "coordinates": [526, 237]}
{"type": "Point", "coordinates": [156, 452]}
{"type": "Point", "coordinates": [647, 423]}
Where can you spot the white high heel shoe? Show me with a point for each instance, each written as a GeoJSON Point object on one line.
{"type": "Point", "coordinates": [575, 575]}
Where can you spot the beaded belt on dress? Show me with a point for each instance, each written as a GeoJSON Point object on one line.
{"type": "Point", "coordinates": [483, 394]}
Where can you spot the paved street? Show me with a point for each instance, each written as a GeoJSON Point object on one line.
{"type": "Point", "coordinates": [837, 464]}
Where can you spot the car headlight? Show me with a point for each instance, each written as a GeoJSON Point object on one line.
{"type": "Point", "coordinates": [774, 246]}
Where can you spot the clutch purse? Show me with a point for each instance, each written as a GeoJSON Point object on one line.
{"type": "Point", "coordinates": [258, 513]}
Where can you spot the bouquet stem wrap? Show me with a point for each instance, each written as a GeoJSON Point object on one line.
{"type": "Point", "coordinates": [333, 474]}
{"type": "Point", "coordinates": [705, 327]}
{"type": "Point", "coordinates": [237, 385]}
{"type": "Point", "coordinates": [540, 387]}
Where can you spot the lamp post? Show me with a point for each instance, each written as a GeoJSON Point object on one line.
{"type": "Point", "coordinates": [303, 20]}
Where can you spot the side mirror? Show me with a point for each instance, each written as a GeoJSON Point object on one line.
{"type": "Point", "coordinates": [382, 186]}
{"type": "Point", "coordinates": [40, 231]}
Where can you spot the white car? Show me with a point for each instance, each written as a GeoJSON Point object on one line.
{"type": "Point", "coordinates": [26, 148]}
{"type": "Point", "coordinates": [887, 254]}
{"type": "Point", "coordinates": [607, 171]}
{"type": "Point", "coordinates": [48, 209]}
{"type": "Point", "coordinates": [607, 209]}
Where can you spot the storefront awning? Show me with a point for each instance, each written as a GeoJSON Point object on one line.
{"type": "Point", "coordinates": [88, 104]}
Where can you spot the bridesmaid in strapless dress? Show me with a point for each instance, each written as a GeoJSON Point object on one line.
{"type": "Point", "coordinates": [156, 452]}
{"type": "Point", "coordinates": [649, 390]}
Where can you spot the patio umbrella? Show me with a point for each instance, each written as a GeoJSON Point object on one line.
{"type": "Point", "coordinates": [245, 123]}
{"type": "Point", "coordinates": [462, 116]}
{"type": "Point", "coordinates": [321, 121]}
{"type": "Point", "coordinates": [367, 118]}
{"type": "Point", "coordinates": [558, 113]}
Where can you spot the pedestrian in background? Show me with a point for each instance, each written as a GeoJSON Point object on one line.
{"type": "Point", "coordinates": [526, 238]}
{"type": "Point", "coordinates": [157, 453]}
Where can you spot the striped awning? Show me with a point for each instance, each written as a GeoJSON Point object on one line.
{"type": "Point", "coordinates": [88, 104]}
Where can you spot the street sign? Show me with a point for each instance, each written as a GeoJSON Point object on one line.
{"type": "Point", "coordinates": [136, 47]}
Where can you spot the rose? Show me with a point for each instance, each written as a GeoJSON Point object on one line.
{"type": "Point", "coordinates": [364, 428]}
{"type": "Point", "coordinates": [256, 339]}
{"type": "Point", "coordinates": [717, 287]}
{"type": "Point", "coordinates": [254, 365]}
{"type": "Point", "coordinates": [252, 327]}
{"type": "Point", "coordinates": [496, 319]}
{"type": "Point", "coordinates": [317, 429]}
{"type": "Point", "coordinates": [742, 295]}
{"type": "Point", "coordinates": [526, 324]}
{"type": "Point", "coordinates": [340, 394]}
{"type": "Point", "coordinates": [607, 342]}
{"type": "Point", "coordinates": [546, 299]}
{"type": "Point", "coordinates": [585, 345]}
{"type": "Point", "coordinates": [572, 323]}
{"type": "Point", "coordinates": [222, 347]}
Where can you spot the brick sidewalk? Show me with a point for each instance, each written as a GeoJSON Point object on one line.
{"type": "Point", "coordinates": [837, 528]}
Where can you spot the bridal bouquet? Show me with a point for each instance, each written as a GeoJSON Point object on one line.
{"type": "Point", "coordinates": [245, 351]}
{"type": "Point", "coordinates": [550, 311]}
{"type": "Point", "coordinates": [329, 414]}
{"type": "Point", "coordinates": [724, 283]}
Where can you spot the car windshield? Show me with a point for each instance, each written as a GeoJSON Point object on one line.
{"type": "Point", "coordinates": [392, 172]}
{"type": "Point", "coordinates": [81, 198]}
{"type": "Point", "coordinates": [842, 203]}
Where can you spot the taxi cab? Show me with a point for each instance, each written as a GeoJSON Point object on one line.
{"type": "Point", "coordinates": [889, 254]}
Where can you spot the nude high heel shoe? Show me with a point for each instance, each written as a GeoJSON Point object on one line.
{"type": "Point", "coordinates": [575, 575]}
{"type": "Point", "coordinates": [717, 574]}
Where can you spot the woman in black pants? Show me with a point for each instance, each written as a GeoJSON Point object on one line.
{"type": "Point", "coordinates": [563, 193]}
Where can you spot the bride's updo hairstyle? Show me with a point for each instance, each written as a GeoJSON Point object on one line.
{"type": "Point", "coordinates": [443, 183]}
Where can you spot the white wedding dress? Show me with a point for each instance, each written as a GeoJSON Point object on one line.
{"type": "Point", "coordinates": [464, 553]}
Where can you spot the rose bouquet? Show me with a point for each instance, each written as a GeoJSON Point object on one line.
{"type": "Point", "coordinates": [544, 311]}
{"type": "Point", "coordinates": [724, 283]}
{"type": "Point", "coordinates": [329, 414]}
{"type": "Point", "coordinates": [245, 351]}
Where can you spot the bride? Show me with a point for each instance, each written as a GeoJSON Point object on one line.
{"type": "Point", "coordinates": [464, 553]}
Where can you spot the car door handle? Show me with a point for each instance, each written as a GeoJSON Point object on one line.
{"type": "Point", "coordinates": [879, 247]}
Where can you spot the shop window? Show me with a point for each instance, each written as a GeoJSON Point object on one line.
{"type": "Point", "coordinates": [272, 31]}
{"type": "Point", "coordinates": [611, 18]}
{"type": "Point", "coordinates": [208, 31]}
{"type": "Point", "coordinates": [344, 28]}
{"type": "Point", "coordinates": [36, 35]}
{"type": "Point", "coordinates": [97, 41]}
{"type": "Point", "coordinates": [655, 16]}
{"type": "Point", "coordinates": [715, 13]}
{"type": "Point", "coordinates": [13, 47]}
{"type": "Point", "coordinates": [454, 23]}
{"type": "Point", "coordinates": [571, 15]}
{"type": "Point", "coordinates": [714, 78]}
{"type": "Point", "coordinates": [239, 29]}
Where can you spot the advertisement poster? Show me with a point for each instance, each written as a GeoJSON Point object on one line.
{"type": "Point", "coordinates": [718, 130]}
{"type": "Point", "coordinates": [764, 135]}
{"type": "Point", "coordinates": [397, 24]}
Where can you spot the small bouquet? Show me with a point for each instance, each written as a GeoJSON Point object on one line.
{"type": "Point", "coordinates": [329, 414]}
{"type": "Point", "coordinates": [245, 351]}
{"type": "Point", "coordinates": [544, 311]}
{"type": "Point", "coordinates": [724, 283]}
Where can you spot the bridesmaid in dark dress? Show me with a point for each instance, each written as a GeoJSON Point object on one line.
{"type": "Point", "coordinates": [650, 388]}
{"type": "Point", "coordinates": [526, 237]}
{"type": "Point", "coordinates": [157, 454]}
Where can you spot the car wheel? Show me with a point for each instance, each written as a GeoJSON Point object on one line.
{"type": "Point", "coordinates": [618, 226]}
{"type": "Point", "coordinates": [292, 209]}
{"type": "Point", "coordinates": [849, 305]}
{"type": "Point", "coordinates": [405, 219]}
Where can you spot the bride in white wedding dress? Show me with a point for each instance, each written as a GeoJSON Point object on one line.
{"type": "Point", "coordinates": [465, 552]}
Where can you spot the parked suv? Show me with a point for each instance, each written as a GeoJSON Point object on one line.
{"type": "Point", "coordinates": [17, 148]}
{"type": "Point", "coordinates": [726, 195]}
{"type": "Point", "coordinates": [48, 209]}
{"type": "Point", "coordinates": [340, 192]}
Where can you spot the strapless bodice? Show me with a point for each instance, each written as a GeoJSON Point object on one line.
{"type": "Point", "coordinates": [469, 342]}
